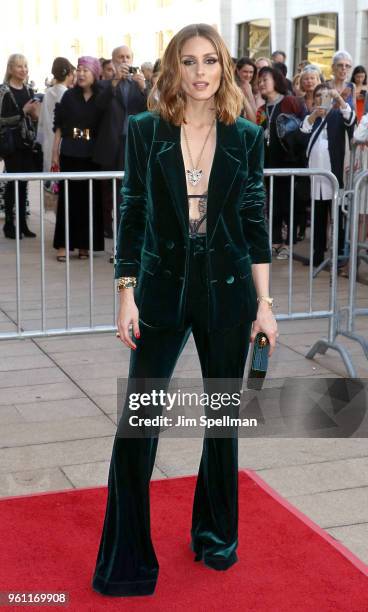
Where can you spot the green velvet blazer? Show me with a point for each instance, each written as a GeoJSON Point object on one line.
{"type": "Point", "coordinates": [153, 237]}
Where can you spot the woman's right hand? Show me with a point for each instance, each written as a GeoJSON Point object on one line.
{"type": "Point", "coordinates": [28, 107]}
{"type": "Point", "coordinates": [247, 89]}
{"type": "Point", "coordinates": [318, 112]}
{"type": "Point", "coordinates": [32, 108]}
{"type": "Point", "coordinates": [55, 162]}
{"type": "Point", "coordinates": [128, 314]}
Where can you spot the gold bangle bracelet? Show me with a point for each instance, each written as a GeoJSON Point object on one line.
{"type": "Point", "coordinates": [265, 298]}
{"type": "Point", "coordinates": [125, 282]}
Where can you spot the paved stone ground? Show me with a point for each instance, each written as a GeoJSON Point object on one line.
{"type": "Point", "coordinates": [58, 396]}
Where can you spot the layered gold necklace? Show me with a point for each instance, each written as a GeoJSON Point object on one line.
{"type": "Point", "coordinates": [195, 174]}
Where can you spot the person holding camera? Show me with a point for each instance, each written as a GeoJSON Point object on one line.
{"type": "Point", "coordinates": [19, 110]}
{"type": "Point", "coordinates": [331, 118]}
{"type": "Point", "coordinates": [120, 97]}
{"type": "Point", "coordinates": [342, 64]}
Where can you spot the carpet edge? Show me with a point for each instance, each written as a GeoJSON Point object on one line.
{"type": "Point", "coordinates": [343, 550]}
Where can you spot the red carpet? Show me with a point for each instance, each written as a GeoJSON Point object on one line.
{"type": "Point", "coordinates": [286, 563]}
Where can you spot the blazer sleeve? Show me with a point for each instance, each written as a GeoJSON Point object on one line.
{"type": "Point", "coordinates": [252, 208]}
{"type": "Point", "coordinates": [133, 205]}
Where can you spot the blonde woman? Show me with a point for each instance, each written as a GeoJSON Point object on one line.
{"type": "Point", "coordinates": [18, 114]}
{"type": "Point", "coordinates": [310, 77]}
{"type": "Point", "coordinates": [261, 62]}
{"type": "Point", "coordinates": [192, 257]}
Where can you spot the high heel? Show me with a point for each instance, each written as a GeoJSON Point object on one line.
{"type": "Point", "coordinates": [217, 563]}
{"type": "Point", "coordinates": [27, 232]}
{"type": "Point", "coordinates": [9, 232]}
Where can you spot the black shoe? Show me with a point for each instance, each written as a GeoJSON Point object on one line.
{"type": "Point", "coordinates": [27, 232]}
{"type": "Point", "coordinates": [9, 232]}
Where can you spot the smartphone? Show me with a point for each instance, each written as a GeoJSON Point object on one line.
{"type": "Point", "coordinates": [133, 69]}
{"type": "Point", "coordinates": [326, 100]}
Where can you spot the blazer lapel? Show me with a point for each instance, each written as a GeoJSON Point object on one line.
{"type": "Point", "coordinates": [225, 167]}
{"type": "Point", "coordinates": [172, 166]}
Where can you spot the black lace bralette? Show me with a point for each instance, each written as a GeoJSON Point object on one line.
{"type": "Point", "coordinates": [197, 221]}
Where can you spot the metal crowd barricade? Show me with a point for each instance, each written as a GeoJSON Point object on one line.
{"type": "Point", "coordinates": [359, 206]}
{"type": "Point", "coordinates": [68, 329]}
{"type": "Point", "coordinates": [323, 344]}
{"type": "Point", "coordinates": [291, 313]}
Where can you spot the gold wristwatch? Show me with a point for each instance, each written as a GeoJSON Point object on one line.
{"type": "Point", "coordinates": [265, 298]}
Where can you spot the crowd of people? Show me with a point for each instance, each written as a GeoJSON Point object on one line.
{"type": "Point", "coordinates": [80, 124]}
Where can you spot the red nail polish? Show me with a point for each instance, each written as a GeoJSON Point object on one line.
{"type": "Point", "coordinates": [138, 335]}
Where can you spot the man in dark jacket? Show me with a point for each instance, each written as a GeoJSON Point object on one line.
{"type": "Point", "coordinates": [119, 97]}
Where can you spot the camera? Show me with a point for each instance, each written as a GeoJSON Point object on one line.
{"type": "Point", "coordinates": [326, 100]}
{"type": "Point", "coordinates": [133, 69]}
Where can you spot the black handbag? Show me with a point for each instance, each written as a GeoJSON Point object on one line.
{"type": "Point", "coordinates": [286, 126]}
{"type": "Point", "coordinates": [7, 141]}
{"type": "Point", "coordinates": [11, 135]}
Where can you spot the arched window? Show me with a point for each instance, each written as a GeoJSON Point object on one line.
{"type": "Point", "coordinates": [316, 40]}
{"type": "Point", "coordinates": [254, 38]}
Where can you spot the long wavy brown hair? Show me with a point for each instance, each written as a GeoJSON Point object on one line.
{"type": "Point", "coordinates": [168, 99]}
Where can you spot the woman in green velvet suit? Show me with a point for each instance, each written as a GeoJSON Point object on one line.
{"type": "Point", "coordinates": [192, 257]}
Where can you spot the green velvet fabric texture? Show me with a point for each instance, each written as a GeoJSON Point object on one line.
{"type": "Point", "coordinates": [153, 235]}
{"type": "Point", "coordinates": [127, 563]}
{"type": "Point", "coordinates": [202, 286]}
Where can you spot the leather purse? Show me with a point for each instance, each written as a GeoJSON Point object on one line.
{"type": "Point", "coordinates": [7, 143]}
{"type": "Point", "coordinates": [259, 362]}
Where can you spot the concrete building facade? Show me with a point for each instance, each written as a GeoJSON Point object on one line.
{"type": "Point", "coordinates": [44, 29]}
{"type": "Point", "coordinates": [305, 29]}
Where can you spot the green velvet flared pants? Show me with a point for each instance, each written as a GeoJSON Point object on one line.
{"type": "Point", "coordinates": [126, 563]}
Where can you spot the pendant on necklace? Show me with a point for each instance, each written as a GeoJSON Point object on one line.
{"type": "Point", "coordinates": [194, 176]}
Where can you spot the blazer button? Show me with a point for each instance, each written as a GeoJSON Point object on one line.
{"type": "Point", "coordinates": [230, 279]}
{"type": "Point", "coordinates": [170, 244]}
{"type": "Point", "coordinates": [167, 273]}
{"type": "Point", "coordinates": [227, 246]}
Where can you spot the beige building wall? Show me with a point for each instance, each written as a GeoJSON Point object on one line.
{"type": "Point", "coordinates": [43, 29]}
{"type": "Point", "coordinates": [282, 15]}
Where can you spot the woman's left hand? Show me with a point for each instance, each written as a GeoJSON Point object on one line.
{"type": "Point", "coordinates": [266, 323]}
{"type": "Point", "coordinates": [337, 97]}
